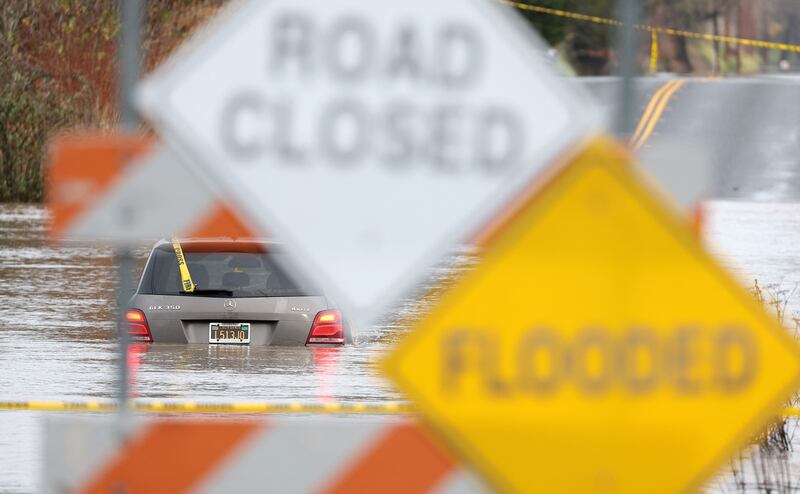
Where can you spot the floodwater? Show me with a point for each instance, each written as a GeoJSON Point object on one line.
{"type": "Point", "coordinates": [56, 339]}
{"type": "Point", "coordinates": [56, 342]}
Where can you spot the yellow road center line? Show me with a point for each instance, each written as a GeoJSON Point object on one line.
{"type": "Point", "coordinates": [650, 107]}
{"type": "Point", "coordinates": [657, 114]}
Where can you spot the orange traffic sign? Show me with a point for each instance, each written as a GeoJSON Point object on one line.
{"type": "Point", "coordinates": [596, 346]}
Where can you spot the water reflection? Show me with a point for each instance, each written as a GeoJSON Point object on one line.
{"type": "Point", "coordinates": [325, 360]}
{"type": "Point", "coordinates": [135, 352]}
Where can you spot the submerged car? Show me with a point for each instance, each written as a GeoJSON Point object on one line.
{"type": "Point", "coordinates": [229, 292]}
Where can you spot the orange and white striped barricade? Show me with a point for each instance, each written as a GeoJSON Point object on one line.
{"type": "Point", "coordinates": [287, 455]}
{"type": "Point", "coordinates": [123, 189]}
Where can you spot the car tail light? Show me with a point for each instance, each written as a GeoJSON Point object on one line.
{"type": "Point", "coordinates": [138, 329]}
{"type": "Point", "coordinates": [327, 329]}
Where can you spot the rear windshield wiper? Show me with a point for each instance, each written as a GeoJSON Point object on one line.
{"type": "Point", "coordinates": [209, 291]}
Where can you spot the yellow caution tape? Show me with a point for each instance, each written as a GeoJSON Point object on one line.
{"type": "Point", "coordinates": [653, 29]}
{"type": "Point", "coordinates": [186, 277]}
{"type": "Point", "coordinates": [653, 52]}
{"type": "Point", "coordinates": [328, 408]}
{"type": "Point", "coordinates": [562, 13]}
{"type": "Point", "coordinates": [59, 406]}
{"type": "Point", "coordinates": [198, 407]}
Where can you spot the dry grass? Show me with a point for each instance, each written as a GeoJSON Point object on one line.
{"type": "Point", "coordinates": [766, 467]}
{"type": "Point", "coordinates": [58, 60]}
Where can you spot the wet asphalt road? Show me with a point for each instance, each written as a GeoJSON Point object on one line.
{"type": "Point", "coordinates": [56, 302]}
{"type": "Point", "coordinates": [748, 127]}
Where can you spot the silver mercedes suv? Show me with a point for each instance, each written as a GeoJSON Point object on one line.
{"type": "Point", "coordinates": [228, 292]}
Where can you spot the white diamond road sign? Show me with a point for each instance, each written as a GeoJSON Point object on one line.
{"type": "Point", "coordinates": [369, 137]}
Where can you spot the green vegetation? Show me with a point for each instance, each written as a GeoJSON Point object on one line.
{"type": "Point", "coordinates": [27, 114]}
{"type": "Point", "coordinates": [46, 48]}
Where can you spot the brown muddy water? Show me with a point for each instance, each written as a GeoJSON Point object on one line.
{"type": "Point", "coordinates": [56, 341]}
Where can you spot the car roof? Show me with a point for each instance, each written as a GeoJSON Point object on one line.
{"type": "Point", "coordinates": [221, 244]}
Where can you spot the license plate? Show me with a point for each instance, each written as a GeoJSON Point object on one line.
{"type": "Point", "coordinates": [229, 333]}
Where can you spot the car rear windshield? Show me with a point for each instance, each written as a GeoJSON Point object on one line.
{"type": "Point", "coordinates": [220, 273]}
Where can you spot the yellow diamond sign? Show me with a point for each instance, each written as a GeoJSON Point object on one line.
{"type": "Point", "coordinates": [596, 347]}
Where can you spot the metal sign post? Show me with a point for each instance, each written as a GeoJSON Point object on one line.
{"type": "Point", "coordinates": [129, 42]}
{"type": "Point", "coordinates": [628, 49]}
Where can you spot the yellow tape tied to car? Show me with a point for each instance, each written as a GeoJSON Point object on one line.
{"type": "Point", "coordinates": [186, 277]}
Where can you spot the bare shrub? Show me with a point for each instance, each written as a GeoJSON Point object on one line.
{"type": "Point", "coordinates": [58, 60]}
